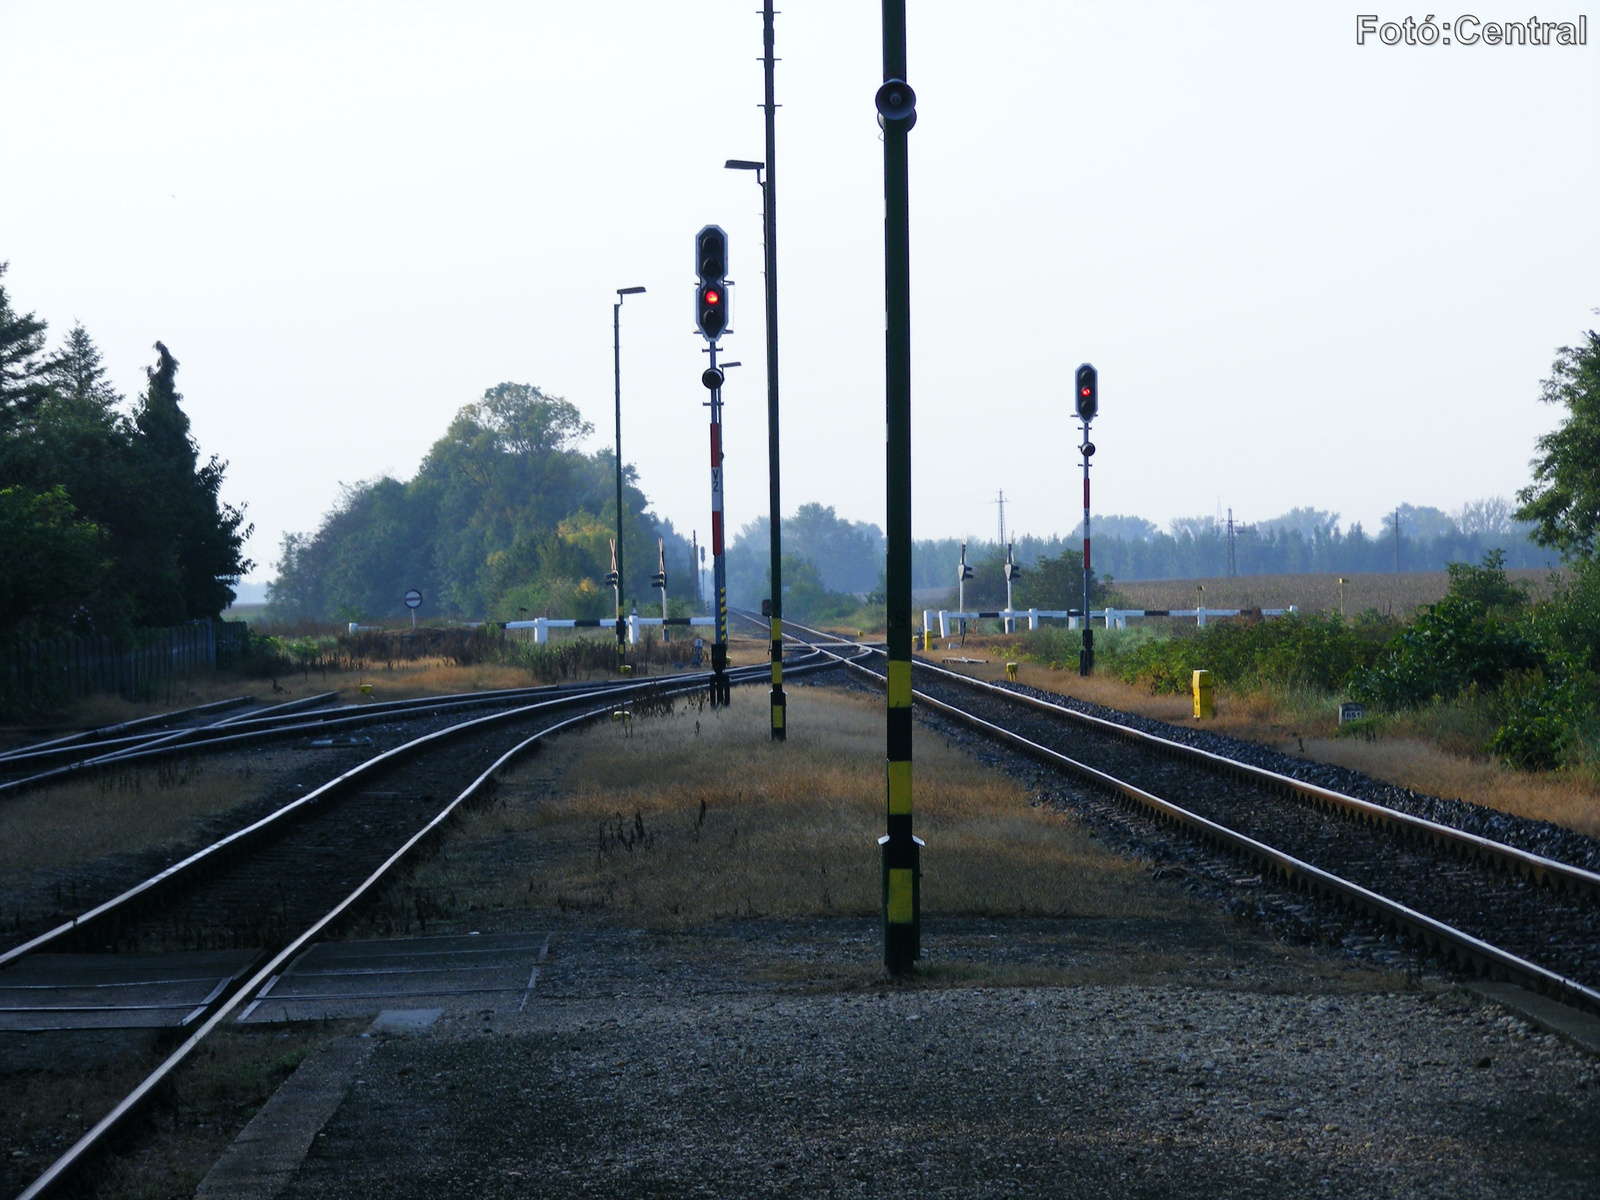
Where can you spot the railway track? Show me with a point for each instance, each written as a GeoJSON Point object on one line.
{"type": "Point", "coordinates": [1493, 907]}
{"type": "Point", "coordinates": [32, 767]}
{"type": "Point", "coordinates": [283, 882]}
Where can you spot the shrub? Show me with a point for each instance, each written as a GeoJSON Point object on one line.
{"type": "Point", "coordinates": [1319, 652]}
{"type": "Point", "coordinates": [1474, 638]}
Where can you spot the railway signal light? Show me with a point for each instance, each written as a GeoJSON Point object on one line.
{"type": "Point", "coordinates": [659, 579]}
{"type": "Point", "coordinates": [711, 309]}
{"type": "Point", "coordinates": [711, 294]}
{"type": "Point", "coordinates": [712, 377]}
{"type": "Point", "coordinates": [711, 254]}
{"type": "Point", "coordinates": [1086, 392]}
{"type": "Point", "coordinates": [964, 571]}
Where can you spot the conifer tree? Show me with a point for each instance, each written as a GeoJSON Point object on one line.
{"type": "Point", "coordinates": [22, 385]}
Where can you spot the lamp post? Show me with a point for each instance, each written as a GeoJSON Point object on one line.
{"type": "Point", "coordinates": [768, 219]}
{"type": "Point", "coordinates": [616, 368]}
{"type": "Point", "coordinates": [769, 231]}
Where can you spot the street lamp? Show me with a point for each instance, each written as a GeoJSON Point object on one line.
{"type": "Point", "coordinates": [616, 367]}
{"type": "Point", "coordinates": [769, 223]}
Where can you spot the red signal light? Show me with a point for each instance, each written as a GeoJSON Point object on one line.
{"type": "Point", "coordinates": [713, 296]}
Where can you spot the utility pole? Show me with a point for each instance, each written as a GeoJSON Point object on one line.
{"type": "Point", "coordinates": [1000, 499]}
{"type": "Point", "coordinates": [769, 214]}
{"type": "Point", "coordinates": [1397, 540]}
{"type": "Point", "coordinates": [1233, 568]}
{"type": "Point", "coordinates": [902, 885]}
{"type": "Point", "coordinates": [616, 369]}
{"type": "Point", "coordinates": [697, 561]}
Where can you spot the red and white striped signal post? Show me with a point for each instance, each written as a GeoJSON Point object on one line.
{"type": "Point", "coordinates": [711, 318]}
{"type": "Point", "coordinates": [1086, 397]}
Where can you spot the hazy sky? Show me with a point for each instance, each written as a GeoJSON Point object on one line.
{"type": "Point", "coordinates": [1310, 272]}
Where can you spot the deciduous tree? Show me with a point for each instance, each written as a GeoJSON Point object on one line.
{"type": "Point", "coordinates": [1563, 501]}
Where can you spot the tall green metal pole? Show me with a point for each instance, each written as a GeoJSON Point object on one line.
{"type": "Point", "coordinates": [769, 214]}
{"type": "Point", "coordinates": [616, 370]}
{"type": "Point", "coordinates": [896, 102]}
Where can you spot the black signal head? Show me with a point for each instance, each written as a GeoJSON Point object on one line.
{"type": "Point", "coordinates": [1086, 392]}
{"type": "Point", "coordinates": [711, 254]}
{"type": "Point", "coordinates": [711, 309]}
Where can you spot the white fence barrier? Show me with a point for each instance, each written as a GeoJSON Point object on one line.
{"type": "Point", "coordinates": [1114, 618]}
{"type": "Point", "coordinates": [542, 626]}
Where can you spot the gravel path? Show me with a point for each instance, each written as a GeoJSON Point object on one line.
{"type": "Point", "coordinates": [639, 1072]}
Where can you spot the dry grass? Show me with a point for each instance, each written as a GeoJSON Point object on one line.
{"type": "Point", "coordinates": [199, 688]}
{"type": "Point", "coordinates": [126, 812]}
{"type": "Point", "coordinates": [1289, 723]}
{"type": "Point", "coordinates": [697, 817]}
{"type": "Point", "coordinates": [433, 677]}
{"type": "Point", "coordinates": [1388, 593]}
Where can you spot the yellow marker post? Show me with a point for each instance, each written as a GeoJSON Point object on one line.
{"type": "Point", "coordinates": [1204, 698]}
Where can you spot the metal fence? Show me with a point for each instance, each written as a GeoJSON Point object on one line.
{"type": "Point", "coordinates": [63, 668]}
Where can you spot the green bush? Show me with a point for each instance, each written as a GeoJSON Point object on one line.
{"type": "Point", "coordinates": [1474, 638]}
{"type": "Point", "coordinates": [1317, 652]}
{"type": "Point", "coordinates": [1536, 733]}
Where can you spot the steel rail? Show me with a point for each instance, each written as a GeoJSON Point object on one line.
{"type": "Point", "coordinates": [280, 717]}
{"type": "Point", "coordinates": [1298, 874]}
{"type": "Point", "coordinates": [76, 1155]}
{"type": "Point", "coordinates": [100, 733]}
{"type": "Point", "coordinates": [1525, 862]}
{"type": "Point", "coordinates": [113, 747]}
{"type": "Point", "coordinates": [270, 728]}
{"type": "Point", "coordinates": [162, 879]}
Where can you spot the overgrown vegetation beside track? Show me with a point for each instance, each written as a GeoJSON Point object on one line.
{"type": "Point", "coordinates": [1486, 669]}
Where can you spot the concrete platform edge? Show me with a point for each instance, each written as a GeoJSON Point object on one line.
{"type": "Point", "coordinates": [268, 1151]}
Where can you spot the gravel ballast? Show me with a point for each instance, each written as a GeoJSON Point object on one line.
{"type": "Point", "coordinates": [635, 1073]}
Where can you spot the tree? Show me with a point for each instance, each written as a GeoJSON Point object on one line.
{"type": "Point", "coordinates": [194, 542]}
{"type": "Point", "coordinates": [1563, 501]}
{"type": "Point", "coordinates": [22, 383]}
{"type": "Point", "coordinates": [76, 374]}
{"type": "Point", "coordinates": [1058, 583]}
{"type": "Point", "coordinates": [51, 564]}
{"type": "Point", "coordinates": [505, 514]}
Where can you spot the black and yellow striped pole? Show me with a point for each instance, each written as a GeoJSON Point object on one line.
{"type": "Point", "coordinates": [897, 112]}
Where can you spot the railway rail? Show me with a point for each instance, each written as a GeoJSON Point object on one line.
{"type": "Point", "coordinates": [1493, 907]}
{"type": "Point", "coordinates": [287, 721]}
{"type": "Point", "coordinates": [338, 842]}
